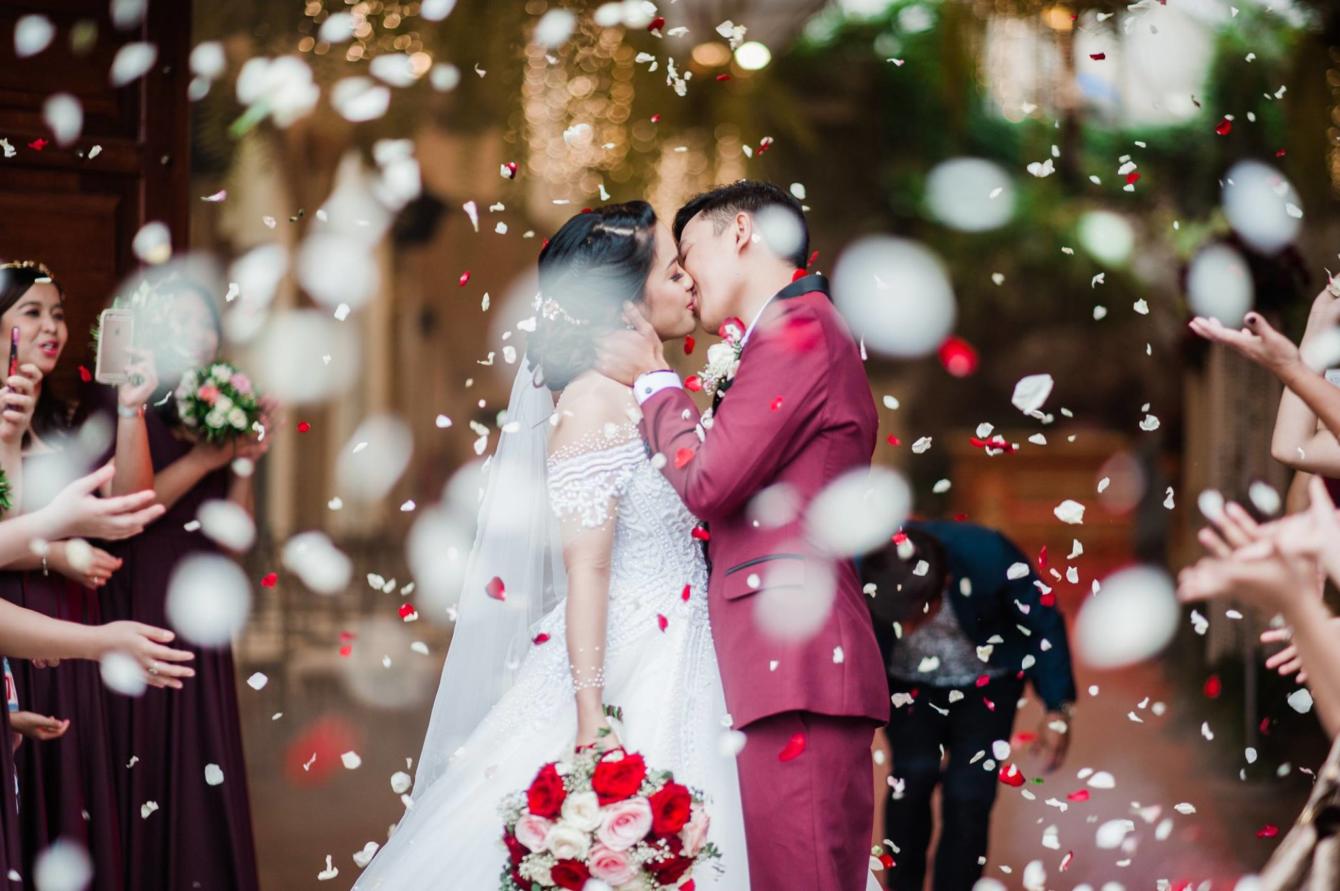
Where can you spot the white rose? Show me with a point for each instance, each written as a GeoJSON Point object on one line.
{"type": "Point", "coordinates": [719, 353]}
{"type": "Point", "coordinates": [567, 842]}
{"type": "Point", "coordinates": [220, 374]}
{"type": "Point", "coordinates": [582, 810]}
{"type": "Point", "coordinates": [223, 404]}
{"type": "Point", "coordinates": [215, 420]}
{"type": "Point", "coordinates": [238, 418]}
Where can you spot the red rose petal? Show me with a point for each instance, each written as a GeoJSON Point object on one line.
{"type": "Point", "coordinates": [693, 383]}
{"type": "Point", "coordinates": [1280, 153]}
{"type": "Point", "coordinates": [1224, 127]}
{"type": "Point", "coordinates": [701, 534]}
{"type": "Point", "coordinates": [721, 78]}
{"type": "Point", "coordinates": [465, 278]}
{"type": "Point", "coordinates": [662, 622]}
{"type": "Point", "coordinates": [798, 275]}
{"type": "Point", "coordinates": [777, 403]}
{"type": "Point", "coordinates": [958, 357]}
{"type": "Point", "coordinates": [37, 144]}
{"type": "Point", "coordinates": [960, 518]}
{"type": "Point", "coordinates": [1067, 860]}
{"type": "Point", "coordinates": [84, 374]}
{"type": "Point", "coordinates": [346, 650]}
{"type": "Point", "coordinates": [893, 440]}
{"type": "Point", "coordinates": [1098, 57]}
{"type": "Point", "coordinates": [813, 257]}
{"type": "Point", "coordinates": [1133, 177]}
{"type": "Point", "coordinates": [542, 637]}
{"type": "Point", "coordinates": [511, 169]}
{"type": "Point", "coordinates": [686, 593]}
{"type": "Point", "coordinates": [793, 748]}
{"type": "Point", "coordinates": [1078, 795]}
{"type": "Point", "coordinates": [270, 580]}
{"type": "Point", "coordinates": [1024, 737]}
{"type": "Point", "coordinates": [406, 609]}
{"type": "Point", "coordinates": [1048, 599]}
{"type": "Point", "coordinates": [682, 457]}
{"type": "Point", "coordinates": [990, 706]}
{"type": "Point", "coordinates": [1213, 687]}
{"type": "Point", "coordinates": [657, 23]}
{"type": "Point", "coordinates": [688, 345]}
{"type": "Point", "coordinates": [304, 427]}
{"type": "Point", "coordinates": [1010, 775]}
{"type": "Point", "coordinates": [656, 118]}
{"type": "Point", "coordinates": [983, 680]}
{"type": "Point", "coordinates": [347, 636]}
{"type": "Point", "coordinates": [496, 589]}
{"type": "Point", "coordinates": [1264, 726]}
{"type": "Point", "coordinates": [886, 859]}
{"type": "Point", "coordinates": [1270, 830]}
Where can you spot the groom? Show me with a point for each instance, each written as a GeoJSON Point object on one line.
{"type": "Point", "coordinates": [798, 412]}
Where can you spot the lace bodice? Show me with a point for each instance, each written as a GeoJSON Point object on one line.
{"type": "Point", "coordinates": [609, 477]}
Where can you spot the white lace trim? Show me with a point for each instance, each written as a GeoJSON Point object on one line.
{"type": "Point", "coordinates": [587, 476]}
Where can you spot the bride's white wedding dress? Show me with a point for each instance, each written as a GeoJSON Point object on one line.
{"type": "Point", "coordinates": [660, 669]}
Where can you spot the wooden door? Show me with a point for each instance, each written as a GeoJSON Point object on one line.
{"type": "Point", "coordinates": [77, 208]}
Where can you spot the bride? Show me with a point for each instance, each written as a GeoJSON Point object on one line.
{"type": "Point", "coordinates": [543, 644]}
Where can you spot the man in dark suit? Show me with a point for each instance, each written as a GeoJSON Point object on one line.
{"type": "Point", "coordinates": [962, 621]}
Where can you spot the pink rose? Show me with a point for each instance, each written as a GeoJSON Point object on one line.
{"type": "Point", "coordinates": [241, 383]}
{"type": "Point", "coordinates": [612, 867]}
{"type": "Point", "coordinates": [624, 823]}
{"type": "Point", "coordinates": [694, 833]}
{"type": "Point", "coordinates": [532, 831]}
{"type": "Point", "coordinates": [208, 393]}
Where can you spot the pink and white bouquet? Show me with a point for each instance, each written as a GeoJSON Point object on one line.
{"type": "Point", "coordinates": [604, 816]}
{"type": "Point", "coordinates": [218, 403]}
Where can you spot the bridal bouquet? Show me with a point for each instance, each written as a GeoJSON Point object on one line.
{"type": "Point", "coordinates": [218, 403]}
{"type": "Point", "coordinates": [604, 816]}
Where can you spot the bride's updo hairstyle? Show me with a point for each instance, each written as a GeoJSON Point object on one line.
{"type": "Point", "coordinates": [596, 262]}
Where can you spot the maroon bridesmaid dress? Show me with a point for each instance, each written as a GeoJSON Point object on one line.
{"type": "Point", "coordinates": [200, 837]}
{"type": "Point", "coordinates": [11, 857]}
{"type": "Point", "coordinates": [65, 786]}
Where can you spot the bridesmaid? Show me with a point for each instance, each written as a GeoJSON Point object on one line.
{"type": "Point", "coordinates": [10, 858]}
{"type": "Point", "coordinates": [65, 786]}
{"type": "Point", "coordinates": [202, 836]}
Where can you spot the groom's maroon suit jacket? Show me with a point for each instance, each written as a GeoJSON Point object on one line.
{"type": "Point", "coordinates": [798, 412]}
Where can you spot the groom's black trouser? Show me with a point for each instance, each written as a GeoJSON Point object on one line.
{"type": "Point", "coordinates": [916, 733]}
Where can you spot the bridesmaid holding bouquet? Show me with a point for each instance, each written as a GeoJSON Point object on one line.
{"type": "Point", "coordinates": [205, 422]}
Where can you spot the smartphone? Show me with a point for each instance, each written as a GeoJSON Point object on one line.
{"type": "Point", "coordinates": [116, 337]}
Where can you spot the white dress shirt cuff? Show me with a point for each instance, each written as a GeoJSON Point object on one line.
{"type": "Point", "coordinates": [649, 384]}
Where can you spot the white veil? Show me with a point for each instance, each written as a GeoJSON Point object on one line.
{"type": "Point", "coordinates": [516, 541]}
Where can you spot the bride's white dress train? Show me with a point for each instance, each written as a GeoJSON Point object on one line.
{"type": "Point", "coordinates": [660, 669]}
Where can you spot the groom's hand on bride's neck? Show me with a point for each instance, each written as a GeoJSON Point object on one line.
{"type": "Point", "coordinates": [626, 355]}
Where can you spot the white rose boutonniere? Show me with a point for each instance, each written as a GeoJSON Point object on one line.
{"type": "Point", "coordinates": [723, 359]}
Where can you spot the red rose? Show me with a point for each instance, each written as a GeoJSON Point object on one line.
{"type": "Point", "coordinates": [670, 866]}
{"type": "Point", "coordinates": [519, 880]}
{"type": "Point", "coordinates": [545, 796]}
{"type": "Point", "coordinates": [515, 848]}
{"type": "Point", "coordinates": [618, 779]}
{"type": "Point", "coordinates": [670, 809]}
{"type": "Point", "coordinates": [571, 874]}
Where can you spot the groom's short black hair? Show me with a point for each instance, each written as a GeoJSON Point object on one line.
{"type": "Point", "coordinates": [901, 594]}
{"type": "Point", "coordinates": [750, 196]}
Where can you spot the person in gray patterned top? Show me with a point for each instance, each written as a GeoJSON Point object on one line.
{"type": "Point", "coordinates": [963, 622]}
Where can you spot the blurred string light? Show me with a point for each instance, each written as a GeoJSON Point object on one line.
{"type": "Point", "coordinates": [370, 28]}
{"type": "Point", "coordinates": [1333, 131]}
{"type": "Point", "coordinates": [753, 56]}
{"type": "Point", "coordinates": [577, 114]}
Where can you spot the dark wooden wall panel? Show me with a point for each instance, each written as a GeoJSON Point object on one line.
{"type": "Point", "coordinates": [78, 213]}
